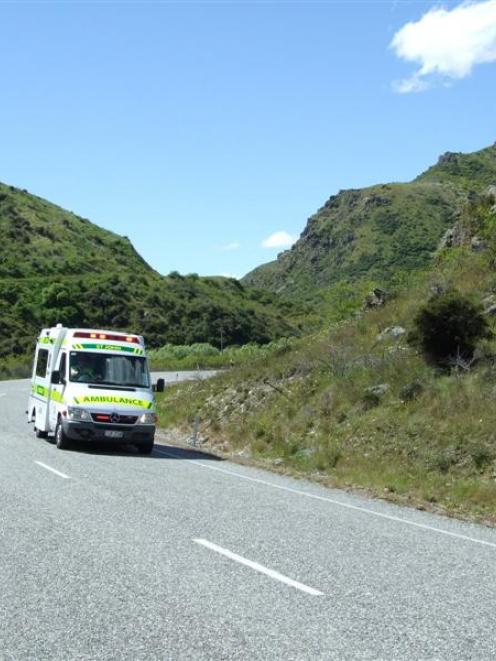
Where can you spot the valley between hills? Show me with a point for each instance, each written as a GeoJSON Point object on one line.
{"type": "Point", "coordinates": [329, 375]}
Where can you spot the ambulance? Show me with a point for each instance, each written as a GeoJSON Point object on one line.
{"type": "Point", "coordinates": [92, 385]}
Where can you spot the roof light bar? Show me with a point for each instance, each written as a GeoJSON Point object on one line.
{"type": "Point", "coordinates": [133, 339]}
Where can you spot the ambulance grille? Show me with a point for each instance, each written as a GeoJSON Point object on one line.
{"type": "Point", "coordinates": [114, 418]}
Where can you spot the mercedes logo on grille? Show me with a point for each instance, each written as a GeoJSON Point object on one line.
{"type": "Point", "coordinates": [115, 417]}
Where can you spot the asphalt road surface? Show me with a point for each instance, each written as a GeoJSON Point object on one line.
{"type": "Point", "coordinates": [111, 555]}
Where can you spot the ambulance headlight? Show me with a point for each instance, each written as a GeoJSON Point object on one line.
{"type": "Point", "coordinates": [148, 419]}
{"type": "Point", "coordinates": [74, 413]}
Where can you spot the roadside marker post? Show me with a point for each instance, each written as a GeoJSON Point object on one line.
{"type": "Point", "coordinates": [196, 427]}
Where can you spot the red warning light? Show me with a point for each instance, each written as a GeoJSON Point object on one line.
{"type": "Point", "coordinates": [134, 339]}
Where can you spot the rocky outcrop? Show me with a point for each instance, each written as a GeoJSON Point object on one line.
{"type": "Point", "coordinates": [477, 244]}
{"type": "Point", "coordinates": [453, 237]}
{"type": "Point", "coordinates": [447, 157]}
{"type": "Point", "coordinates": [489, 303]}
{"type": "Point", "coordinates": [490, 194]}
{"type": "Point", "coordinates": [376, 298]}
{"type": "Point", "coordinates": [392, 332]}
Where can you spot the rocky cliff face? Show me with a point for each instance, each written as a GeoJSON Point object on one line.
{"type": "Point", "coordinates": [380, 230]}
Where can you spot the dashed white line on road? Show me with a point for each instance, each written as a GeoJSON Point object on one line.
{"type": "Point", "coordinates": [259, 568]}
{"type": "Point", "coordinates": [53, 470]}
{"type": "Point", "coordinates": [356, 508]}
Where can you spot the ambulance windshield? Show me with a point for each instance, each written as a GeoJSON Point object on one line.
{"type": "Point", "coordinates": [108, 369]}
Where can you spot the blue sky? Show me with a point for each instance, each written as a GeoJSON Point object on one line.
{"type": "Point", "coordinates": [200, 129]}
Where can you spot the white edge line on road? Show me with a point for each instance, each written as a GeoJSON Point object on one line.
{"type": "Point", "coordinates": [257, 567]}
{"type": "Point", "coordinates": [53, 470]}
{"type": "Point", "coordinates": [356, 508]}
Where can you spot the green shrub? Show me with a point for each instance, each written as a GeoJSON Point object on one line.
{"type": "Point", "coordinates": [411, 391]}
{"type": "Point", "coordinates": [482, 455]}
{"type": "Point", "coordinates": [448, 327]}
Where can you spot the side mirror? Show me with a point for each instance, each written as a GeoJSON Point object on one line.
{"type": "Point", "coordinates": [159, 387]}
{"type": "Point", "coordinates": [57, 378]}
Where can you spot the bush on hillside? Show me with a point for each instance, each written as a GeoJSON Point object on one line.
{"type": "Point", "coordinates": [448, 327]}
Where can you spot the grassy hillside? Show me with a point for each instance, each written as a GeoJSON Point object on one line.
{"type": "Point", "coordinates": [40, 238]}
{"type": "Point", "coordinates": [377, 232]}
{"type": "Point", "coordinates": [357, 406]}
{"type": "Point", "coordinates": [55, 266]}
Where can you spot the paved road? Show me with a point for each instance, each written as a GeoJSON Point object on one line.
{"type": "Point", "coordinates": [117, 556]}
{"type": "Point", "coordinates": [175, 377]}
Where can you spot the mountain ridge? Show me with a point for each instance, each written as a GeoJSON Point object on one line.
{"type": "Point", "coordinates": [378, 231]}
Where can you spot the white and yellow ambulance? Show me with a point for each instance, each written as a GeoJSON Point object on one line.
{"type": "Point", "coordinates": [92, 385]}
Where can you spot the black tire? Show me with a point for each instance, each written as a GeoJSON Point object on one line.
{"type": "Point", "coordinates": [145, 448]}
{"type": "Point", "coordinates": [61, 440]}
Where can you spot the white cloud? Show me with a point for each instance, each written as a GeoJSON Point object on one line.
{"type": "Point", "coordinates": [229, 247]}
{"type": "Point", "coordinates": [278, 240]}
{"type": "Point", "coordinates": [447, 43]}
{"type": "Point", "coordinates": [412, 84]}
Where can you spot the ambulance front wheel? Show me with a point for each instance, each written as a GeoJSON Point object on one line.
{"type": "Point", "coordinates": [61, 440]}
{"type": "Point", "coordinates": [145, 448]}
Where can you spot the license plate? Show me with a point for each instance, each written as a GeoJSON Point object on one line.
{"type": "Point", "coordinates": [114, 434]}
